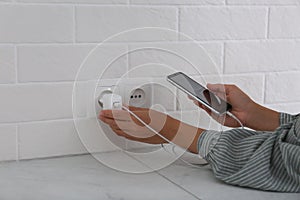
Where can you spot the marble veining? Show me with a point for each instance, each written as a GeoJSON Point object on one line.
{"type": "Point", "coordinates": [83, 177]}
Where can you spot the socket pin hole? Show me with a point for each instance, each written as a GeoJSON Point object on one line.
{"type": "Point", "coordinates": [131, 96]}
{"type": "Point", "coordinates": [140, 96]}
{"type": "Point", "coordinates": [135, 96]}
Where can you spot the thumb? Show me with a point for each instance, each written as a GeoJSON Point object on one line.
{"type": "Point", "coordinates": [133, 108]}
{"type": "Point", "coordinates": [218, 89]}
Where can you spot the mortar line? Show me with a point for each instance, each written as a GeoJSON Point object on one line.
{"type": "Point", "coordinates": [178, 16]}
{"type": "Point", "coordinates": [290, 39]}
{"type": "Point", "coordinates": [17, 143]}
{"type": "Point", "coordinates": [268, 23]}
{"type": "Point", "coordinates": [223, 58]}
{"type": "Point", "coordinates": [16, 64]}
{"type": "Point", "coordinates": [74, 24]}
{"type": "Point", "coordinates": [264, 88]}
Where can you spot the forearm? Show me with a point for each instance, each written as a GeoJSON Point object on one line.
{"type": "Point", "coordinates": [182, 134]}
{"type": "Point", "coordinates": [255, 159]}
{"type": "Point", "coordinates": [262, 119]}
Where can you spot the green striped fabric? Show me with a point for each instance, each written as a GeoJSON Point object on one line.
{"type": "Point", "coordinates": [256, 159]}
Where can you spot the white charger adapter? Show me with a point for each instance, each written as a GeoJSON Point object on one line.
{"type": "Point", "coordinates": [111, 102]}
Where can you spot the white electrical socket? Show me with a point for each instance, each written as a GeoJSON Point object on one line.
{"type": "Point", "coordinates": [93, 94]}
{"type": "Point", "coordinates": [138, 97]}
{"type": "Point", "coordinates": [139, 92]}
{"type": "Point", "coordinates": [135, 92]}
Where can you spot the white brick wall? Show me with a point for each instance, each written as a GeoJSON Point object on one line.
{"type": "Point", "coordinates": [178, 2]}
{"type": "Point", "coordinates": [7, 64]}
{"type": "Point", "coordinates": [95, 24]}
{"type": "Point", "coordinates": [284, 22]}
{"type": "Point", "coordinates": [254, 43]}
{"type": "Point", "coordinates": [215, 23]}
{"type": "Point", "coordinates": [262, 56]}
{"type": "Point", "coordinates": [38, 63]}
{"type": "Point", "coordinates": [76, 1]}
{"type": "Point", "coordinates": [186, 56]}
{"type": "Point", "coordinates": [263, 2]}
{"type": "Point", "coordinates": [51, 138]}
{"type": "Point", "coordinates": [282, 87]}
{"type": "Point", "coordinates": [36, 23]}
{"type": "Point", "coordinates": [31, 102]}
{"type": "Point", "coordinates": [8, 138]}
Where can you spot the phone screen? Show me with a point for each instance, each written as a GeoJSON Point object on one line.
{"type": "Point", "coordinates": [199, 92]}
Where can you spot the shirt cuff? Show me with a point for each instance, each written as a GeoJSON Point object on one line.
{"type": "Point", "coordinates": [286, 118]}
{"type": "Point", "coordinates": [207, 141]}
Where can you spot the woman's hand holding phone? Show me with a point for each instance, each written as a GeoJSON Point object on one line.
{"type": "Point", "coordinates": [240, 102]}
{"type": "Point", "coordinates": [251, 114]}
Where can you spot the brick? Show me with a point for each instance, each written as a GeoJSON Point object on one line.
{"type": "Point", "coordinates": [36, 23]}
{"type": "Point", "coordinates": [282, 87]}
{"type": "Point", "coordinates": [76, 1]}
{"type": "Point", "coordinates": [98, 23]}
{"type": "Point", "coordinates": [291, 108]}
{"type": "Point", "coordinates": [98, 137]}
{"type": "Point", "coordinates": [45, 139]}
{"type": "Point", "coordinates": [178, 2]}
{"type": "Point", "coordinates": [187, 57]}
{"type": "Point", "coordinates": [62, 62]}
{"type": "Point", "coordinates": [284, 22]}
{"type": "Point", "coordinates": [8, 142]}
{"type": "Point", "coordinates": [35, 102]}
{"type": "Point", "coordinates": [7, 64]}
{"type": "Point", "coordinates": [263, 2]}
{"type": "Point", "coordinates": [212, 23]}
{"type": "Point", "coordinates": [262, 56]}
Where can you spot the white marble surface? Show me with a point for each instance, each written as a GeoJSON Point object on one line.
{"type": "Point", "coordinates": [82, 177]}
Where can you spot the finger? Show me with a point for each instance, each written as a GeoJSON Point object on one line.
{"type": "Point", "coordinates": [126, 135]}
{"type": "Point", "coordinates": [116, 114]}
{"type": "Point", "coordinates": [197, 103]}
{"type": "Point", "coordinates": [133, 108]}
{"type": "Point", "coordinates": [120, 132]}
{"type": "Point", "coordinates": [106, 120]}
{"type": "Point", "coordinates": [190, 97]}
{"type": "Point", "coordinates": [201, 105]}
{"type": "Point", "coordinates": [117, 127]}
{"type": "Point", "coordinates": [217, 88]}
{"type": "Point", "coordinates": [207, 110]}
{"type": "Point", "coordinates": [124, 116]}
{"type": "Point", "coordinates": [122, 125]}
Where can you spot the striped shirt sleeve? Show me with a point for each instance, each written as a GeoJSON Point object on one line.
{"type": "Point", "coordinates": [286, 118]}
{"type": "Point", "coordinates": [256, 159]}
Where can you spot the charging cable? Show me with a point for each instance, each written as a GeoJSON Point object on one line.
{"type": "Point", "coordinates": [113, 101]}
{"type": "Point", "coordinates": [164, 138]}
{"type": "Point", "coordinates": [235, 118]}
{"type": "Point", "coordinates": [173, 144]}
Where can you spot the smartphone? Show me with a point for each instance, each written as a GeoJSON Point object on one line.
{"type": "Point", "coordinates": [199, 93]}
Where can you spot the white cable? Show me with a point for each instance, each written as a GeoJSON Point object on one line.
{"type": "Point", "coordinates": [149, 127]}
{"type": "Point", "coordinates": [166, 139]}
{"type": "Point", "coordinates": [235, 118]}
{"type": "Point", "coordinates": [173, 144]}
{"type": "Point", "coordinates": [181, 159]}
